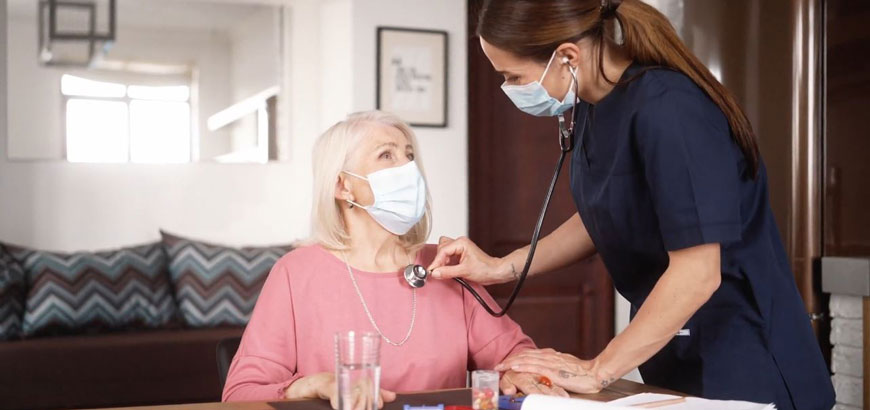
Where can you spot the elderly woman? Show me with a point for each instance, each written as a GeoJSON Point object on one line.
{"type": "Point", "coordinates": [370, 219]}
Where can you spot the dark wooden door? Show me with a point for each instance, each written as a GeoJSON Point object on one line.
{"type": "Point", "coordinates": [846, 222]}
{"type": "Point", "coordinates": [511, 160]}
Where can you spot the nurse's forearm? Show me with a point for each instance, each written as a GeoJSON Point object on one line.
{"type": "Point", "coordinates": [691, 278]}
{"type": "Point", "coordinates": [569, 243]}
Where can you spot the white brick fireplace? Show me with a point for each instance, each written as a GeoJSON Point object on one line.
{"type": "Point", "coordinates": [848, 282]}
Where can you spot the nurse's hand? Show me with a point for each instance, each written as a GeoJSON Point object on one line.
{"type": "Point", "coordinates": [461, 258]}
{"type": "Point", "coordinates": [512, 382]}
{"type": "Point", "coordinates": [563, 370]}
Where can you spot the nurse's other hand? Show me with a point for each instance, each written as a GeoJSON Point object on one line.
{"type": "Point", "coordinates": [462, 258]}
{"type": "Point", "coordinates": [512, 382]}
{"type": "Point", "coordinates": [563, 370]}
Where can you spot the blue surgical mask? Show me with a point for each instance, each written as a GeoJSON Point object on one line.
{"type": "Point", "coordinates": [533, 98]}
{"type": "Point", "coordinates": [400, 197]}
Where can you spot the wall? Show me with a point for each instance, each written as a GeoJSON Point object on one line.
{"type": "Point", "coordinates": [254, 67]}
{"type": "Point", "coordinates": [61, 206]}
{"type": "Point", "coordinates": [36, 119]}
{"type": "Point", "coordinates": [444, 150]}
{"type": "Point", "coordinates": [254, 64]}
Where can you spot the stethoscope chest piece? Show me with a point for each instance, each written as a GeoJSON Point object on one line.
{"type": "Point", "coordinates": [416, 275]}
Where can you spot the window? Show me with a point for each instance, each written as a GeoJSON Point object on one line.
{"type": "Point", "coordinates": [115, 123]}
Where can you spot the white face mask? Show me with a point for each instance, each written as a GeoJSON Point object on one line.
{"type": "Point", "coordinates": [533, 98]}
{"type": "Point", "coordinates": [400, 197]}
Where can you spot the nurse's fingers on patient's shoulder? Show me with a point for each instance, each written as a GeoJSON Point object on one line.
{"type": "Point", "coordinates": [441, 258]}
{"type": "Point", "coordinates": [450, 272]}
{"type": "Point", "coordinates": [447, 250]}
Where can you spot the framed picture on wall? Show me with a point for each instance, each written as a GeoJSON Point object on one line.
{"type": "Point", "coordinates": [412, 75]}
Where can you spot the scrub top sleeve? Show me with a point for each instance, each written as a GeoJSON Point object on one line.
{"type": "Point", "coordinates": [690, 162]}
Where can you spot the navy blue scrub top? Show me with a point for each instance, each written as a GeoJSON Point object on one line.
{"type": "Point", "coordinates": [657, 170]}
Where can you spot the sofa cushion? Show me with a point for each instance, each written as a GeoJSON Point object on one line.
{"type": "Point", "coordinates": [92, 292]}
{"type": "Point", "coordinates": [12, 290]}
{"type": "Point", "coordinates": [217, 285]}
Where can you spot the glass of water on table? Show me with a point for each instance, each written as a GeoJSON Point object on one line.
{"type": "Point", "coordinates": [358, 369]}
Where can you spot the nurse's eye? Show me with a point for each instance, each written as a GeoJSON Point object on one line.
{"type": "Point", "coordinates": [511, 79]}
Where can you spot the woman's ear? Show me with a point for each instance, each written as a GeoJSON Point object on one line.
{"type": "Point", "coordinates": [568, 54]}
{"type": "Point", "coordinates": [342, 189]}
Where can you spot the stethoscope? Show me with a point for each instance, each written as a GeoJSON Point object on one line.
{"type": "Point", "coordinates": [416, 275]}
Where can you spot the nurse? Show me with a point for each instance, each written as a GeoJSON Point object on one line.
{"type": "Point", "coordinates": [670, 190]}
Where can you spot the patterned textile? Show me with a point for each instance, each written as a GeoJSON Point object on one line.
{"type": "Point", "coordinates": [217, 285]}
{"type": "Point", "coordinates": [84, 292]}
{"type": "Point", "coordinates": [12, 288]}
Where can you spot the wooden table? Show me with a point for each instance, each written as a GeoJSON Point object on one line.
{"type": "Point", "coordinates": [621, 388]}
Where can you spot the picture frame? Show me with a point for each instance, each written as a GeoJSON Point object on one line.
{"type": "Point", "coordinates": [412, 75]}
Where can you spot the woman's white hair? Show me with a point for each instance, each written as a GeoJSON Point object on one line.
{"type": "Point", "coordinates": [332, 153]}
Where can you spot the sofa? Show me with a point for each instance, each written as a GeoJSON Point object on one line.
{"type": "Point", "coordinates": [138, 325]}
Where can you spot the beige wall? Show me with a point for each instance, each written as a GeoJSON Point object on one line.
{"type": "Point", "coordinates": [61, 206]}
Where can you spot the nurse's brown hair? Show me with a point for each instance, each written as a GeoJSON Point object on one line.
{"type": "Point", "coordinates": [535, 28]}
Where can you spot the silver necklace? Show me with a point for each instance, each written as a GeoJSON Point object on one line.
{"type": "Point", "coordinates": [369, 314]}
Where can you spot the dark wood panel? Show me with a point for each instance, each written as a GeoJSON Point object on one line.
{"type": "Point", "coordinates": [846, 222]}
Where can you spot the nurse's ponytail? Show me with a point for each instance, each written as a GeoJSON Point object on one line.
{"type": "Point", "coordinates": [534, 28]}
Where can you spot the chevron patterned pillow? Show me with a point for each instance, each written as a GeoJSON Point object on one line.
{"type": "Point", "coordinates": [11, 296]}
{"type": "Point", "coordinates": [85, 292]}
{"type": "Point", "coordinates": [217, 285]}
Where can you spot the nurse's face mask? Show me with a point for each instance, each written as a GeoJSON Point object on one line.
{"type": "Point", "coordinates": [533, 98]}
{"type": "Point", "coordinates": [400, 197]}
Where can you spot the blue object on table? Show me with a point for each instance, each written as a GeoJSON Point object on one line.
{"type": "Point", "coordinates": [410, 407]}
{"type": "Point", "coordinates": [510, 402]}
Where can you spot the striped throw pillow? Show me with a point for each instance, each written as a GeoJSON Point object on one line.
{"type": "Point", "coordinates": [11, 296]}
{"type": "Point", "coordinates": [91, 292]}
{"type": "Point", "coordinates": [217, 285]}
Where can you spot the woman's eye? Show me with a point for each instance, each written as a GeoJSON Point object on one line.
{"type": "Point", "coordinates": [410, 157]}
{"type": "Point", "coordinates": [386, 155]}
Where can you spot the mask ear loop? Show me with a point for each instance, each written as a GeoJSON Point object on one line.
{"type": "Point", "coordinates": [352, 203]}
{"type": "Point", "coordinates": [547, 68]}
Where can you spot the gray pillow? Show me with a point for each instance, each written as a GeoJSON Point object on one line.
{"type": "Point", "coordinates": [217, 285]}
{"type": "Point", "coordinates": [94, 292]}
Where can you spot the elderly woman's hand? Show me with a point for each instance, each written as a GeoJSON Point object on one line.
{"type": "Point", "coordinates": [512, 382]}
{"type": "Point", "coordinates": [322, 386]}
{"type": "Point", "coordinates": [561, 369]}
